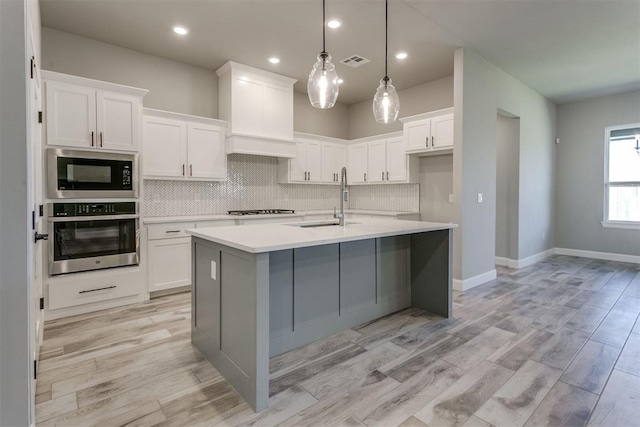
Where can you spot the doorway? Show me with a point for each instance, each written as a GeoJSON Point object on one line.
{"type": "Point", "coordinates": [507, 188]}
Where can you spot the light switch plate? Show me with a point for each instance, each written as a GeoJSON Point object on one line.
{"type": "Point", "coordinates": [479, 197]}
{"type": "Point", "coordinates": [450, 198]}
{"type": "Point", "coordinates": [213, 270]}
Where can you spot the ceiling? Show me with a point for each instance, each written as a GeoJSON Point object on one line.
{"type": "Point", "coordinates": [564, 49]}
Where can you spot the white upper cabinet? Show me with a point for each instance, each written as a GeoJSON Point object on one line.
{"type": "Point", "coordinates": [86, 113]}
{"type": "Point", "coordinates": [318, 161]}
{"type": "Point", "coordinates": [378, 161]}
{"type": "Point", "coordinates": [178, 146]}
{"type": "Point", "coordinates": [429, 133]}
{"type": "Point", "coordinates": [258, 106]}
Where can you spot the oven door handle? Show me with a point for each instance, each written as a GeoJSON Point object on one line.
{"type": "Point", "coordinates": [92, 218]}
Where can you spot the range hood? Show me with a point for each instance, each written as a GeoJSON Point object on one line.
{"type": "Point", "coordinates": [258, 105]}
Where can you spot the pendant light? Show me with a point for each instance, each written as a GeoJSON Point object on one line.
{"type": "Point", "coordinates": [323, 86]}
{"type": "Point", "coordinates": [386, 104]}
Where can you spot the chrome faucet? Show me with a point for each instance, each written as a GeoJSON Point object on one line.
{"type": "Point", "coordinates": [344, 196]}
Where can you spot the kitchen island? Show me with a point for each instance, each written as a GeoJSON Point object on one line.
{"type": "Point", "coordinates": [261, 290]}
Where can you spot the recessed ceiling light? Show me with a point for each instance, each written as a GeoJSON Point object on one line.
{"type": "Point", "coordinates": [180, 30]}
{"type": "Point", "coordinates": [334, 23]}
{"type": "Point", "coordinates": [401, 55]}
{"type": "Point", "coordinates": [274, 60]}
{"type": "Point", "coordinates": [340, 81]}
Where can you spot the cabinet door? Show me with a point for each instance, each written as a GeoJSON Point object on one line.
{"type": "Point", "coordinates": [357, 171]}
{"type": "Point", "coordinates": [417, 134]}
{"type": "Point", "coordinates": [377, 161]}
{"type": "Point", "coordinates": [442, 131]}
{"type": "Point", "coordinates": [169, 263]}
{"type": "Point", "coordinates": [329, 168]}
{"type": "Point", "coordinates": [246, 94]}
{"type": "Point", "coordinates": [118, 121]}
{"type": "Point", "coordinates": [298, 165]}
{"type": "Point", "coordinates": [71, 115]}
{"type": "Point", "coordinates": [396, 160]}
{"type": "Point", "coordinates": [164, 147]}
{"type": "Point", "coordinates": [277, 111]}
{"type": "Point", "coordinates": [314, 161]}
{"type": "Point", "coordinates": [206, 153]}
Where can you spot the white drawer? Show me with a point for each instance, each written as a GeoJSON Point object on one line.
{"type": "Point", "coordinates": [168, 231]}
{"type": "Point", "coordinates": [218, 223]}
{"type": "Point", "coordinates": [86, 288]}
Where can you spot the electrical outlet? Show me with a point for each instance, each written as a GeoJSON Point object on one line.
{"type": "Point", "coordinates": [480, 198]}
{"type": "Point", "coordinates": [450, 198]}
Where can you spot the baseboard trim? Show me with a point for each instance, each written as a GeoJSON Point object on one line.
{"type": "Point", "coordinates": [524, 262]}
{"type": "Point", "coordinates": [633, 259]}
{"type": "Point", "coordinates": [472, 282]}
{"type": "Point", "coordinates": [503, 261]}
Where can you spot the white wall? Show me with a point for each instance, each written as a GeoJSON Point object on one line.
{"type": "Point", "coordinates": [15, 233]}
{"type": "Point", "coordinates": [429, 96]}
{"type": "Point", "coordinates": [507, 168]}
{"type": "Point", "coordinates": [436, 183]}
{"type": "Point", "coordinates": [580, 181]}
{"type": "Point", "coordinates": [307, 119]}
{"type": "Point", "coordinates": [481, 89]}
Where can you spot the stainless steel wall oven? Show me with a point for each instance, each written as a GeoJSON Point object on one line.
{"type": "Point", "coordinates": [92, 236]}
{"type": "Point", "coordinates": [90, 174]}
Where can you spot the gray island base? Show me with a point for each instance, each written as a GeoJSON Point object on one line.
{"type": "Point", "coordinates": [267, 289]}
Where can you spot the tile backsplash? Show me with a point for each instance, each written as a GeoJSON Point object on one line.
{"type": "Point", "coordinates": [253, 184]}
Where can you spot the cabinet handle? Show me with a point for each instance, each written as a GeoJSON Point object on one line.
{"type": "Point", "coordinates": [365, 176]}
{"type": "Point", "coordinates": [426, 138]}
{"type": "Point", "coordinates": [101, 139]}
{"type": "Point", "coordinates": [433, 138]}
{"type": "Point", "coordinates": [98, 289]}
{"type": "Point", "coordinates": [183, 169]}
{"type": "Point", "coordinates": [172, 231]}
{"type": "Point", "coordinates": [387, 175]}
{"type": "Point", "coordinates": [383, 175]}
{"type": "Point", "coordinates": [190, 170]}
{"type": "Point", "coordinates": [92, 138]}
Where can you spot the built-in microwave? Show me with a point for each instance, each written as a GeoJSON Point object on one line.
{"type": "Point", "coordinates": [90, 174]}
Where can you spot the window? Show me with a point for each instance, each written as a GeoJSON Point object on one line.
{"type": "Point", "coordinates": [622, 176]}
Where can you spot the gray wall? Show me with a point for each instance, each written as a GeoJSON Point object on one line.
{"type": "Point", "coordinates": [481, 90]}
{"type": "Point", "coordinates": [430, 96]}
{"type": "Point", "coordinates": [15, 319]}
{"type": "Point", "coordinates": [436, 183]}
{"type": "Point", "coordinates": [507, 147]}
{"type": "Point", "coordinates": [332, 122]}
{"type": "Point", "coordinates": [580, 181]}
{"type": "Point", "coordinates": [173, 86]}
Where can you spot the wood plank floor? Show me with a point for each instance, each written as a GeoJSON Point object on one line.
{"type": "Point", "coordinates": [556, 343]}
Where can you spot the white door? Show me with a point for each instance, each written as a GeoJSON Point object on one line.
{"type": "Point", "coordinates": [35, 176]}
{"type": "Point", "coordinates": [118, 121]}
{"type": "Point", "coordinates": [396, 160]}
{"type": "Point", "coordinates": [417, 134]}
{"type": "Point", "coordinates": [206, 152]}
{"type": "Point", "coordinates": [71, 115]}
{"type": "Point", "coordinates": [314, 161]}
{"type": "Point", "coordinates": [169, 263]}
{"type": "Point", "coordinates": [357, 170]}
{"type": "Point", "coordinates": [298, 165]}
{"type": "Point", "coordinates": [328, 163]}
{"type": "Point", "coordinates": [377, 161]}
{"type": "Point", "coordinates": [442, 131]}
{"type": "Point", "coordinates": [164, 147]}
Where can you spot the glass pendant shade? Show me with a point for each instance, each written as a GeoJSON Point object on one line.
{"type": "Point", "coordinates": [323, 86]}
{"type": "Point", "coordinates": [386, 104]}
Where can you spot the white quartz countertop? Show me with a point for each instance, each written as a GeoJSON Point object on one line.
{"type": "Point", "coordinates": [259, 238]}
{"type": "Point", "coordinates": [294, 216]}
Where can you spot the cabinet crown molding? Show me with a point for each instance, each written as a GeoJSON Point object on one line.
{"type": "Point", "coordinates": [97, 84]}
{"type": "Point", "coordinates": [426, 115]}
{"type": "Point", "coordinates": [246, 69]}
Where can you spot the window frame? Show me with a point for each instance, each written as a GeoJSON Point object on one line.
{"type": "Point", "coordinates": [606, 222]}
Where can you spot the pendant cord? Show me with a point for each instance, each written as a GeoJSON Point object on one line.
{"type": "Point", "coordinates": [386, 36]}
{"type": "Point", "coordinates": [323, 29]}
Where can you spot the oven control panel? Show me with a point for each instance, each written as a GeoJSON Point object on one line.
{"type": "Point", "coordinates": [91, 209]}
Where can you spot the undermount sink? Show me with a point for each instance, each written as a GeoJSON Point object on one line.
{"type": "Point", "coordinates": [319, 224]}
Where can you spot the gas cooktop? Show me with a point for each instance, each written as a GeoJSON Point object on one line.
{"type": "Point", "coordinates": [262, 212]}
